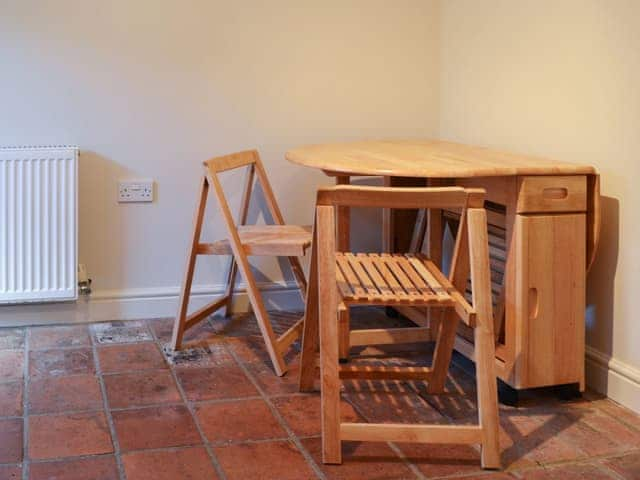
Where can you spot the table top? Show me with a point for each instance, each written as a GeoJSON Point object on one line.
{"type": "Point", "coordinates": [426, 158]}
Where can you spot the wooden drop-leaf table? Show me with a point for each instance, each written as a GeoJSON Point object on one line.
{"type": "Point", "coordinates": [544, 220]}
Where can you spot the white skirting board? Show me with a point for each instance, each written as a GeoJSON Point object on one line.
{"type": "Point", "coordinates": [613, 378]}
{"type": "Point", "coordinates": [141, 303]}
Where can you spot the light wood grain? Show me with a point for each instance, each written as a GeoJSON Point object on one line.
{"type": "Point", "coordinates": [484, 337]}
{"type": "Point", "coordinates": [242, 220]}
{"type": "Point", "coordinates": [551, 259]}
{"type": "Point", "coordinates": [552, 194]}
{"type": "Point", "coordinates": [426, 158]}
{"type": "Point", "coordinates": [384, 336]}
{"type": "Point", "coordinates": [180, 323]}
{"type": "Point", "coordinates": [344, 279]}
{"type": "Point", "coordinates": [328, 313]}
{"type": "Point", "coordinates": [396, 432]}
{"type": "Point", "coordinates": [243, 240]}
{"type": "Point", "coordinates": [269, 240]}
{"type": "Point", "coordinates": [375, 372]}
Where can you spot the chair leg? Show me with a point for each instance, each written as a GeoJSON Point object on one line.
{"type": "Point", "coordinates": [264, 323]}
{"type": "Point", "coordinates": [448, 325]}
{"type": "Point", "coordinates": [487, 397]}
{"type": "Point", "coordinates": [484, 338]}
{"type": "Point", "coordinates": [328, 310]}
{"type": "Point", "coordinates": [310, 340]}
{"type": "Point", "coordinates": [344, 330]}
{"type": "Point", "coordinates": [231, 282]}
{"type": "Point", "coordinates": [183, 302]}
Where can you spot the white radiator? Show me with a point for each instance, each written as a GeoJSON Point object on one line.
{"type": "Point", "coordinates": [38, 224]}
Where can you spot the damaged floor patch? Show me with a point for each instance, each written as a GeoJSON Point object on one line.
{"type": "Point", "coordinates": [121, 332]}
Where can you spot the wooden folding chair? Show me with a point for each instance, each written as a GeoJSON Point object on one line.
{"type": "Point", "coordinates": [243, 240]}
{"type": "Point", "coordinates": [341, 279]}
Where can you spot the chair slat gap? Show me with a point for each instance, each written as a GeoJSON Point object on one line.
{"type": "Point", "coordinates": [379, 264]}
{"type": "Point", "coordinates": [391, 264]}
{"type": "Point", "coordinates": [352, 278]}
{"type": "Point", "coordinates": [367, 282]}
{"type": "Point", "coordinates": [379, 280]}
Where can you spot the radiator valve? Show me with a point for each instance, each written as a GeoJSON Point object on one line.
{"type": "Point", "coordinates": [84, 282]}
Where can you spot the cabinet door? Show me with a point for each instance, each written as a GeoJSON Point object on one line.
{"type": "Point", "coordinates": [550, 299]}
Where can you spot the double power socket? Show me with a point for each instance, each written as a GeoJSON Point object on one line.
{"type": "Point", "coordinates": [134, 191]}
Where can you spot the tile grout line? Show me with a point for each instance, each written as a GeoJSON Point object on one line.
{"type": "Point", "coordinates": [105, 404]}
{"type": "Point", "coordinates": [25, 407]}
{"type": "Point", "coordinates": [292, 436]}
{"type": "Point", "coordinates": [212, 456]}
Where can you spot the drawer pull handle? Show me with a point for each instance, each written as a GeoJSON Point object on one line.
{"type": "Point", "coordinates": [555, 193]}
{"type": "Point", "coordinates": [533, 303]}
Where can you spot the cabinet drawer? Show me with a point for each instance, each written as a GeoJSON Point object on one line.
{"type": "Point", "coordinates": [552, 194]}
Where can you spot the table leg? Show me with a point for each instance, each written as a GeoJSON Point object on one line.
{"type": "Point", "coordinates": [343, 225]}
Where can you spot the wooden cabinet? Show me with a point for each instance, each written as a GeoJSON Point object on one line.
{"type": "Point", "coordinates": [538, 237]}
{"type": "Point", "coordinates": [549, 300]}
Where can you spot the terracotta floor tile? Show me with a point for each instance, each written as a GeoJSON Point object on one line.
{"type": "Point", "coordinates": [12, 338]}
{"type": "Point", "coordinates": [184, 464]}
{"type": "Point", "coordinates": [130, 357]}
{"type": "Point", "coordinates": [627, 466]}
{"type": "Point", "coordinates": [101, 467]}
{"type": "Point", "coordinates": [252, 349]}
{"type": "Point", "coordinates": [11, 399]}
{"type": "Point", "coordinates": [52, 436]}
{"type": "Point", "coordinates": [212, 353]}
{"type": "Point", "coordinates": [10, 472]}
{"type": "Point", "coordinates": [544, 450]}
{"type": "Point", "coordinates": [11, 440]}
{"type": "Point", "coordinates": [163, 329]}
{"type": "Point", "coordinates": [370, 460]}
{"type": "Point", "coordinates": [246, 325]}
{"type": "Point", "coordinates": [302, 413]}
{"type": "Point", "coordinates": [215, 383]}
{"type": "Point", "coordinates": [567, 472]}
{"type": "Point", "coordinates": [390, 402]}
{"type": "Point", "coordinates": [272, 384]}
{"type": "Point", "coordinates": [438, 460]}
{"type": "Point", "coordinates": [529, 438]}
{"type": "Point", "coordinates": [61, 362]}
{"type": "Point", "coordinates": [141, 388]}
{"type": "Point", "coordinates": [570, 428]}
{"type": "Point", "coordinates": [488, 476]}
{"type": "Point", "coordinates": [11, 365]}
{"type": "Point", "coordinates": [121, 332]}
{"type": "Point", "coordinates": [238, 420]}
{"type": "Point", "coordinates": [60, 394]}
{"type": "Point", "coordinates": [155, 427]}
{"type": "Point", "coordinates": [617, 411]}
{"type": "Point", "coordinates": [256, 460]}
{"type": "Point", "coordinates": [249, 349]}
{"type": "Point", "coordinates": [58, 337]}
{"type": "Point", "coordinates": [612, 428]}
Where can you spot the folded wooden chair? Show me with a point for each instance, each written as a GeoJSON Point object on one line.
{"type": "Point", "coordinates": [242, 241]}
{"type": "Point", "coordinates": [341, 279]}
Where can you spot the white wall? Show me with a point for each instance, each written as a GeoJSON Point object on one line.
{"type": "Point", "coordinates": [151, 88]}
{"type": "Point", "coordinates": [562, 79]}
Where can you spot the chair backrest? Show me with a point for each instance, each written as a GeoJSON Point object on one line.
{"type": "Point", "coordinates": [250, 159]}
{"type": "Point", "coordinates": [395, 197]}
{"type": "Point", "coordinates": [401, 198]}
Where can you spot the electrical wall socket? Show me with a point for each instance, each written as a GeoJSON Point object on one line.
{"type": "Point", "coordinates": [135, 191]}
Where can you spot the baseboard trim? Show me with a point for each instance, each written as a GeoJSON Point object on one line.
{"type": "Point", "coordinates": [613, 378]}
{"type": "Point", "coordinates": [141, 303]}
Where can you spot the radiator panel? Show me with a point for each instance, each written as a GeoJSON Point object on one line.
{"type": "Point", "coordinates": [38, 224]}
